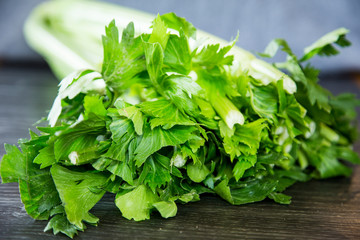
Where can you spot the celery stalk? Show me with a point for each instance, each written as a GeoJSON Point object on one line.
{"type": "Point", "coordinates": [227, 111]}
{"type": "Point", "coordinates": [57, 30]}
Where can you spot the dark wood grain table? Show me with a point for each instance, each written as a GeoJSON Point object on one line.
{"type": "Point", "coordinates": [327, 209]}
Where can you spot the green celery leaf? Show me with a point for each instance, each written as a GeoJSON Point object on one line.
{"type": "Point", "coordinates": [284, 183]}
{"type": "Point", "coordinates": [249, 191]}
{"type": "Point", "coordinates": [102, 163]}
{"type": "Point", "coordinates": [213, 55]}
{"type": "Point", "coordinates": [159, 33]}
{"type": "Point", "coordinates": [264, 101]}
{"type": "Point", "coordinates": [177, 56]}
{"type": "Point", "coordinates": [296, 113]}
{"type": "Point", "coordinates": [134, 114]}
{"type": "Point", "coordinates": [215, 82]}
{"type": "Point", "coordinates": [122, 128]}
{"type": "Point", "coordinates": [179, 23]}
{"type": "Point", "coordinates": [156, 171]}
{"type": "Point", "coordinates": [273, 47]}
{"type": "Point", "coordinates": [166, 208]}
{"type": "Point", "coordinates": [121, 169]}
{"type": "Point", "coordinates": [315, 91]}
{"type": "Point", "coordinates": [75, 190]}
{"type": "Point", "coordinates": [345, 153]}
{"type": "Point", "coordinates": [93, 104]}
{"type": "Point", "coordinates": [205, 107]}
{"type": "Point", "coordinates": [122, 61]}
{"type": "Point", "coordinates": [46, 157]}
{"type": "Point", "coordinates": [37, 189]}
{"type": "Point", "coordinates": [164, 113]}
{"type": "Point", "coordinates": [137, 203]}
{"type": "Point", "coordinates": [39, 195]}
{"type": "Point", "coordinates": [40, 141]}
{"type": "Point", "coordinates": [72, 143]}
{"type": "Point", "coordinates": [242, 165]}
{"type": "Point", "coordinates": [246, 139]}
{"type": "Point", "coordinates": [83, 135]}
{"type": "Point", "coordinates": [270, 158]}
{"type": "Point", "coordinates": [157, 138]}
{"type": "Point", "coordinates": [346, 103]}
{"type": "Point", "coordinates": [191, 196]}
{"type": "Point", "coordinates": [324, 159]}
{"type": "Point", "coordinates": [13, 165]}
{"type": "Point", "coordinates": [195, 143]}
{"type": "Point", "coordinates": [172, 190]}
{"type": "Point", "coordinates": [175, 87]}
{"type": "Point", "coordinates": [280, 198]}
{"type": "Point", "coordinates": [123, 134]}
{"type": "Point", "coordinates": [117, 151]}
{"type": "Point", "coordinates": [308, 76]}
{"type": "Point", "coordinates": [294, 173]}
{"type": "Point", "coordinates": [179, 89]}
{"type": "Point", "coordinates": [197, 172]}
{"type": "Point", "coordinates": [154, 55]}
{"type": "Point", "coordinates": [344, 113]}
{"type": "Point", "coordinates": [324, 46]}
{"type": "Point", "coordinates": [223, 190]}
{"type": "Point", "coordinates": [86, 155]}
{"type": "Point", "coordinates": [59, 223]}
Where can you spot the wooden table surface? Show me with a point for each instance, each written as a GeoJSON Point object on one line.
{"type": "Point", "coordinates": [327, 209]}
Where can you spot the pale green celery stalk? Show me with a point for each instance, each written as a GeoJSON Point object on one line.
{"type": "Point", "coordinates": [67, 34]}
{"type": "Point", "coordinates": [226, 110]}
{"type": "Point", "coordinates": [331, 135]}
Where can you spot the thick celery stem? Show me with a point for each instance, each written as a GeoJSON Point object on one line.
{"type": "Point", "coordinates": [73, 39]}
{"type": "Point", "coordinates": [68, 33]}
{"type": "Point", "coordinates": [332, 136]}
{"type": "Point", "coordinates": [228, 112]}
{"type": "Point", "coordinates": [61, 57]}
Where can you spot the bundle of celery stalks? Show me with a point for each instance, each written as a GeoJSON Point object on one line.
{"type": "Point", "coordinates": [169, 114]}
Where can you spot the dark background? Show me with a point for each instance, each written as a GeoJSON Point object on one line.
{"type": "Point", "coordinates": [300, 22]}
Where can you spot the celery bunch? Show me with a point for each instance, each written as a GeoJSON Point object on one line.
{"type": "Point", "coordinates": [164, 119]}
